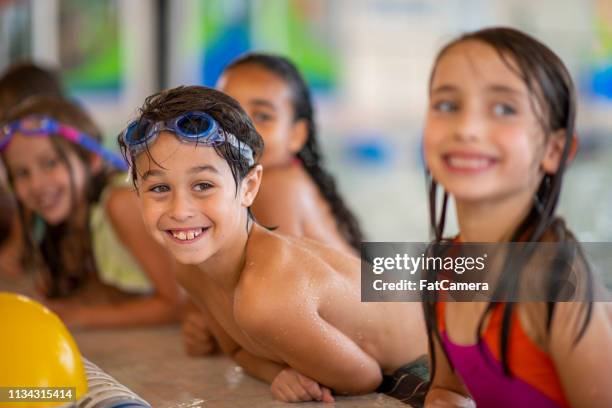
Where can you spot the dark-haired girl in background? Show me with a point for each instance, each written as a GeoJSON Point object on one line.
{"type": "Point", "coordinates": [298, 195]}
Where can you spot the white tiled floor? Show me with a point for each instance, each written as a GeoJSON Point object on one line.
{"type": "Point", "coordinates": [151, 362]}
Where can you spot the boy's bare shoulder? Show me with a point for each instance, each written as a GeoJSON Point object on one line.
{"type": "Point", "coordinates": [275, 259]}
{"type": "Point", "coordinates": [276, 277]}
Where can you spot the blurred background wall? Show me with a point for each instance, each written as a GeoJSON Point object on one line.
{"type": "Point", "coordinates": [368, 62]}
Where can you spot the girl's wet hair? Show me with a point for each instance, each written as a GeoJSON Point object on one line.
{"type": "Point", "coordinates": [64, 252]}
{"type": "Point", "coordinates": [310, 154]}
{"type": "Point", "coordinates": [7, 211]}
{"type": "Point", "coordinates": [228, 113]}
{"type": "Point", "coordinates": [553, 101]}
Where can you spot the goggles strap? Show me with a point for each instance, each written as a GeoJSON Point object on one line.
{"type": "Point", "coordinates": [244, 149]}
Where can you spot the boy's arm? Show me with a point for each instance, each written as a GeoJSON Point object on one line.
{"type": "Point", "coordinates": [286, 384]}
{"type": "Point", "coordinates": [583, 367]}
{"type": "Point", "coordinates": [292, 329]}
{"type": "Point", "coordinates": [195, 331]}
{"type": "Point", "coordinates": [260, 368]}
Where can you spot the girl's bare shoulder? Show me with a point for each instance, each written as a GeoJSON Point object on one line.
{"type": "Point", "coordinates": [121, 203]}
{"type": "Point", "coordinates": [287, 182]}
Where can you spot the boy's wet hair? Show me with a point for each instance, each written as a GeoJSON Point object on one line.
{"type": "Point", "coordinates": [228, 113]}
{"type": "Point", "coordinates": [553, 101]}
{"type": "Point", "coordinates": [310, 154]}
{"type": "Point", "coordinates": [64, 252]}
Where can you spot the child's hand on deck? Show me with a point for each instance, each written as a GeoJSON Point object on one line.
{"type": "Point", "coordinates": [197, 338]}
{"type": "Point", "coordinates": [291, 386]}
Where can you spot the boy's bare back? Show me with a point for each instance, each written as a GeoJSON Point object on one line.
{"type": "Point", "coordinates": [298, 303]}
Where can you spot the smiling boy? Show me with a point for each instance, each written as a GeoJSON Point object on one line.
{"type": "Point", "coordinates": [287, 310]}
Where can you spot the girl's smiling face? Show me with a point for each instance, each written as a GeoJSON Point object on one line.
{"type": "Point", "coordinates": [42, 180]}
{"type": "Point", "coordinates": [267, 99]}
{"type": "Point", "coordinates": [482, 139]}
{"type": "Point", "coordinates": [189, 198]}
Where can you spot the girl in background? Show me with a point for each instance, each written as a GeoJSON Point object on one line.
{"type": "Point", "coordinates": [20, 81]}
{"type": "Point", "coordinates": [298, 195]}
{"type": "Point", "coordinates": [98, 264]}
{"type": "Point", "coordinates": [499, 131]}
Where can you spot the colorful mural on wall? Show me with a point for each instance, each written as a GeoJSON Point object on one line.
{"type": "Point", "coordinates": [600, 75]}
{"type": "Point", "coordinates": [89, 47]}
{"type": "Point", "coordinates": [295, 28]}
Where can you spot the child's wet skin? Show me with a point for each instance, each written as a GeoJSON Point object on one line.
{"type": "Point", "coordinates": [284, 300]}
{"type": "Point", "coordinates": [324, 292]}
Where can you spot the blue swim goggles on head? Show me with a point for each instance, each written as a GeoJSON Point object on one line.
{"type": "Point", "coordinates": [44, 126]}
{"type": "Point", "coordinates": [197, 127]}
